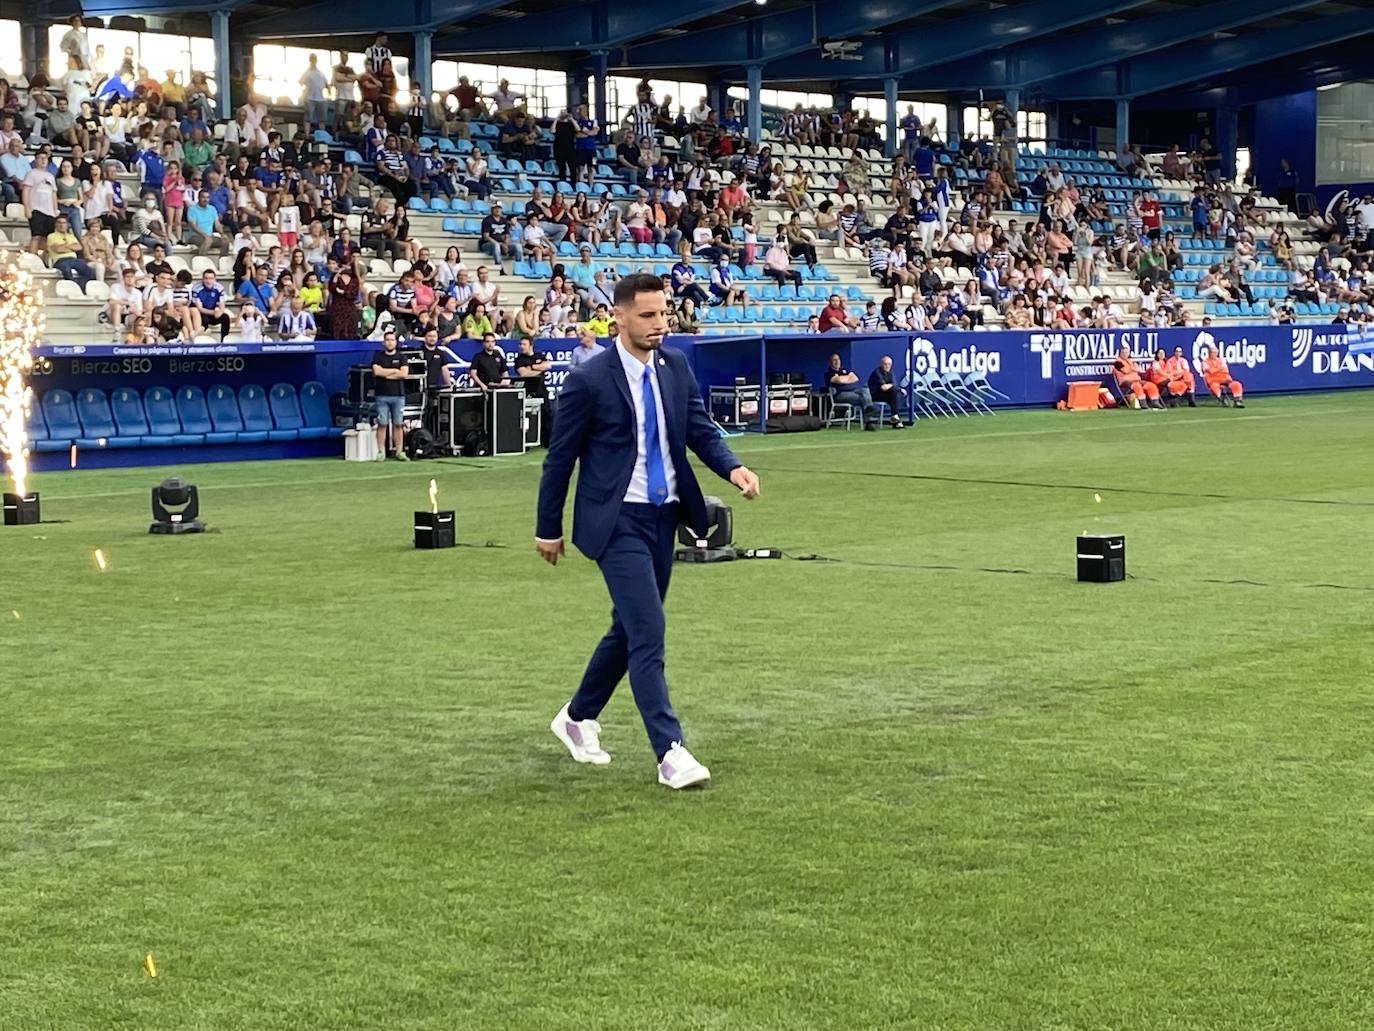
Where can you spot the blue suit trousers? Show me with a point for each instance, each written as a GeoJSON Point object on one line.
{"type": "Point", "coordinates": [636, 566]}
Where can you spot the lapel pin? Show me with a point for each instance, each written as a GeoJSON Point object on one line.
{"type": "Point", "coordinates": [662, 362]}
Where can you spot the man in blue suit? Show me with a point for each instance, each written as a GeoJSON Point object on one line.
{"type": "Point", "coordinates": [627, 417]}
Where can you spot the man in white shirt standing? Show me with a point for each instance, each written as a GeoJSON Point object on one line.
{"type": "Point", "coordinates": [314, 82]}
{"type": "Point", "coordinates": [504, 100]}
{"type": "Point", "coordinates": [699, 114]}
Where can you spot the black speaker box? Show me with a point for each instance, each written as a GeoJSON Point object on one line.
{"type": "Point", "coordinates": [1101, 558]}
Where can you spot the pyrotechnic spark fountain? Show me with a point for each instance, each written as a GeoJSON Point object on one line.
{"type": "Point", "coordinates": [433, 496]}
{"type": "Point", "coordinates": [21, 328]}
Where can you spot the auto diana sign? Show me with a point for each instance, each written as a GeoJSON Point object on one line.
{"type": "Point", "coordinates": [1332, 350]}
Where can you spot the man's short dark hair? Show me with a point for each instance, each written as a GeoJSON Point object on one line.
{"type": "Point", "coordinates": [636, 283]}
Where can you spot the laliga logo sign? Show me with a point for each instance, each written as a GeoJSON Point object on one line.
{"type": "Point", "coordinates": [1242, 352]}
{"type": "Point", "coordinates": [923, 358]}
{"type": "Point", "coordinates": [926, 359]}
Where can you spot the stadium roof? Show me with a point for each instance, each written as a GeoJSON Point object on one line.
{"type": "Point", "coordinates": [1053, 49]}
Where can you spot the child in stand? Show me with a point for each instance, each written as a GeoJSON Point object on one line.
{"type": "Point", "coordinates": [173, 199]}
{"type": "Point", "coordinates": [751, 242]}
{"type": "Point", "coordinates": [252, 324]}
{"type": "Point", "coordinates": [288, 225]}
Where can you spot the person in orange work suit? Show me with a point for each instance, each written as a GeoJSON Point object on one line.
{"type": "Point", "coordinates": [1183, 372]}
{"type": "Point", "coordinates": [1129, 381]}
{"type": "Point", "coordinates": [1172, 387]}
{"type": "Point", "coordinates": [1218, 378]}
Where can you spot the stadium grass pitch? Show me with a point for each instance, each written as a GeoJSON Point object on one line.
{"type": "Point", "coordinates": [308, 767]}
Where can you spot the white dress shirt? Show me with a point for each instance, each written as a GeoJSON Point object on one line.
{"type": "Point", "coordinates": [638, 490]}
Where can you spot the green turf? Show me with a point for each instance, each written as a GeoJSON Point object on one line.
{"type": "Point", "coordinates": [308, 767]}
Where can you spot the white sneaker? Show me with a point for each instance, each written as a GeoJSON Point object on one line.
{"type": "Point", "coordinates": [582, 738]}
{"type": "Point", "coordinates": [680, 770]}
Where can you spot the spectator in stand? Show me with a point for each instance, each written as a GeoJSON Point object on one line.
{"type": "Point", "coordinates": [260, 291]}
{"type": "Point", "coordinates": [518, 136]}
{"type": "Point", "coordinates": [314, 83]}
{"type": "Point", "coordinates": [477, 180]}
{"type": "Point", "coordinates": [723, 287]}
{"type": "Point", "coordinates": [496, 238]}
{"type": "Point", "coordinates": [210, 304]}
{"type": "Point", "coordinates": [126, 299]}
{"type": "Point", "coordinates": [295, 322]}
{"type": "Point", "coordinates": [845, 388]}
{"type": "Point", "coordinates": [63, 248]}
{"type": "Point", "coordinates": [777, 265]}
{"type": "Point", "coordinates": [586, 348]}
{"type": "Point", "coordinates": [392, 172]}
{"type": "Point", "coordinates": [834, 317]}
{"type": "Point", "coordinates": [505, 101]}
{"type": "Point", "coordinates": [39, 197]}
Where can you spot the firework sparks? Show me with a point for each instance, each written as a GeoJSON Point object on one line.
{"type": "Point", "coordinates": [73, 456]}
{"type": "Point", "coordinates": [21, 328]}
{"type": "Point", "coordinates": [150, 965]}
{"type": "Point", "coordinates": [433, 496]}
{"type": "Point", "coordinates": [100, 562]}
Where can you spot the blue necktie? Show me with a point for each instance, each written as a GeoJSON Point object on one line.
{"type": "Point", "coordinates": [653, 454]}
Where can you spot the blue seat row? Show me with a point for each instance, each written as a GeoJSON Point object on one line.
{"type": "Point", "coordinates": [189, 417]}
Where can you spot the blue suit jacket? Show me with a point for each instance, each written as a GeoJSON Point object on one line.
{"type": "Point", "coordinates": [595, 429]}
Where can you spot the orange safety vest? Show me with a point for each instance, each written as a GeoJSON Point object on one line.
{"type": "Point", "coordinates": [1214, 367]}
{"type": "Point", "coordinates": [1160, 373]}
{"type": "Point", "coordinates": [1123, 369]}
{"type": "Point", "coordinates": [1178, 367]}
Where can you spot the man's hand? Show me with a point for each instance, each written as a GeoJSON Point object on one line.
{"type": "Point", "coordinates": [550, 551]}
{"type": "Point", "coordinates": [746, 481]}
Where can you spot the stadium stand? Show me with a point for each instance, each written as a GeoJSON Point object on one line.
{"type": "Point", "coordinates": [759, 233]}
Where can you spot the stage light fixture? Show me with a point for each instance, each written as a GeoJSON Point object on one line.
{"type": "Point", "coordinates": [715, 542]}
{"type": "Point", "coordinates": [176, 507]}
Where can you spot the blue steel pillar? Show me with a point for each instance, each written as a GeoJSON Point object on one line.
{"type": "Point", "coordinates": [422, 72]}
{"type": "Point", "coordinates": [1226, 141]}
{"type": "Point", "coordinates": [1012, 100]}
{"type": "Point", "coordinates": [219, 31]}
{"type": "Point", "coordinates": [1123, 124]}
{"type": "Point", "coordinates": [755, 72]}
{"type": "Point", "coordinates": [599, 64]}
{"type": "Point", "coordinates": [577, 90]}
{"type": "Point", "coordinates": [890, 95]}
{"type": "Point", "coordinates": [954, 124]}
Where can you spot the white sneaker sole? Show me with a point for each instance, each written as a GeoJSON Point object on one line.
{"type": "Point", "coordinates": [698, 778]}
{"type": "Point", "coordinates": [574, 749]}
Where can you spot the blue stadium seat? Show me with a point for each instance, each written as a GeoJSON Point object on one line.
{"type": "Point", "coordinates": [257, 415]}
{"type": "Point", "coordinates": [854, 293]}
{"type": "Point", "coordinates": [644, 250]}
{"type": "Point", "coordinates": [161, 408]}
{"type": "Point", "coordinates": [352, 157]}
{"type": "Point", "coordinates": [452, 225]}
{"type": "Point", "coordinates": [626, 250]}
{"type": "Point", "coordinates": [286, 413]}
{"type": "Point", "coordinates": [322, 136]}
{"type": "Point", "coordinates": [769, 292]}
{"type": "Point", "coordinates": [59, 412]}
{"type": "Point", "coordinates": [224, 416]}
{"type": "Point", "coordinates": [97, 425]}
{"type": "Point", "coordinates": [662, 250]}
{"type": "Point", "coordinates": [446, 146]}
{"type": "Point", "coordinates": [438, 204]}
{"type": "Point", "coordinates": [315, 410]}
{"type": "Point", "coordinates": [129, 419]}
{"type": "Point", "coordinates": [195, 416]}
{"type": "Point", "coordinates": [38, 432]}
{"type": "Point", "coordinates": [416, 204]}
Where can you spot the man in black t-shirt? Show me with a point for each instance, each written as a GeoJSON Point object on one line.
{"type": "Point", "coordinates": [530, 366]}
{"type": "Point", "coordinates": [437, 374]}
{"type": "Point", "coordinates": [389, 370]}
{"type": "Point", "coordinates": [488, 367]}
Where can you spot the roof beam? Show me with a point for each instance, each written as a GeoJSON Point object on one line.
{"type": "Point", "coordinates": [355, 17]}
{"type": "Point", "coordinates": [116, 8]}
{"type": "Point", "coordinates": [1027, 64]}
{"type": "Point", "coordinates": [1180, 67]}
{"type": "Point", "coordinates": [905, 52]}
{"type": "Point", "coordinates": [774, 37]}
{"type": "Point", "coordinates": [589, 26]}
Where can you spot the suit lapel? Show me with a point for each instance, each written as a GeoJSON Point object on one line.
{"type": "Point", "coordinates": [666, 385]}
{"type": "Point", "coordinates": [618, 374]}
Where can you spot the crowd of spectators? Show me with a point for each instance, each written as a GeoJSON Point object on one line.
{"type": "Point", "coordinates": [278, 209]}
